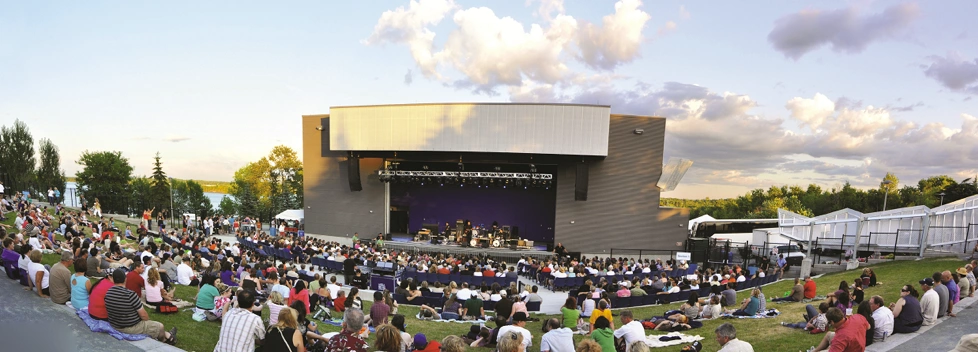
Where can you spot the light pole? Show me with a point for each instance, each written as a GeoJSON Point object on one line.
{"type": "Point", "coordinates": [171, 202]}
{"type": "Point", "coordinates": [886, 192]}
{"type": "Point", "coordinates": [942, 197]}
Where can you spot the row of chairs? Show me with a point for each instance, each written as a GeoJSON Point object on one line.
{"type": "Point", "coordinates": [473, 281]}
{"type": "Point", "coordinates": [558, 284]}
{"type": "Point", "coordinates": [681, 296]}
{"type": "Point", "coordinates": [438, 300]}
{"type": "Point", "coordinates": [282, 254]}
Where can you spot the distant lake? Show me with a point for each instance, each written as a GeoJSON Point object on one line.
{"type": "Point", "coordinates": [214, 197]}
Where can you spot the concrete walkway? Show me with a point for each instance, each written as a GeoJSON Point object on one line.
{"type": "Point", "coordinates": [940, 337]}
{"type": "Point", "coordinates": [29, 323]}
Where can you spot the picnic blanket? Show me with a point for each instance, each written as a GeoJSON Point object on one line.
{"type": "Point", "coordinates": [674, 338]}
{"type": "Point", "coordinates": [770, 313]}
{"type": "Point", "coordinates": [104, 326]}
{"type": "Point", "coordinates": [478, 321]}
{"type": "Point", "coordinates": [339, 323]}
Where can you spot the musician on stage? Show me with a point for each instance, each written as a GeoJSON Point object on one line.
{"type": "Point", "coordinates": [559, 250]}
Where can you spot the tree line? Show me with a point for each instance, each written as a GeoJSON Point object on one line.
{"type": "Point", "coordinates": [19, 167]}
{"type": "Point", "coordinates": [813, 200]}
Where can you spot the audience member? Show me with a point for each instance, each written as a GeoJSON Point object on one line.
{"type": "Point", "coordinates": [60, 282]}
{"type": "Point", "coordinates": [727, 338]}
{"type": "Point", "coordinates": [240, 328]}
{"type": "Point", "coordinates": [80, 285]}
{"type": "Point", "coordinates": [379, 310]}
{"type": "Point", "coordinates": [452, 343]}
{"type": "Point", "coordinates": [518, 326]}
{"type": "Point", "coordinates": [631, 329]}
{"type": "Point", "coordinates": [810, 288]}
{"type": "Point", "coordinates": [929, 302]}
{"type": "Point", "coordinates": [388, 339]}
{"type": "Point", "coordinates": [850, 332]}
{"type": "Point", "coordinates": [907, 316]}
{"type": "Point", "coordinates": [39, 277]}
{"type": "Point", "coordinates": [126, 314]}
{"type": "Point", "coordinates": [421, 344]}
{"type": "Point", "coordinates": [511, 341]}
{"type": "Point", "coordinates": [284, 335]}
{"type": "Point", "coordinates": [349, 338]}
{"type": "Point", "coordinates": [557, 338]}
{"type": "Point", "coordinates": [883, 317]}
{"type": "Point", "coordinates": [602, 333]}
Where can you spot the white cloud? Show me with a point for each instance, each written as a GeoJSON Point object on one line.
{"type": "Point", "coordinates": [410, 26]}
{"type": "Point", "coordinates": [618, 39]}
{"type": "Point", "coordinates": [846, 30]}
{"type": "Point", "coordinates": [732, 145]}
{"type": "Point", "coordinates": [176, 139]}
{"type": "Point", "coordinates": [954, 72]}
{"type": "Point", "coordinates": [481, 45]}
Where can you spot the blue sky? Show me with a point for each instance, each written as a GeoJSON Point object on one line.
{"type": "Point", "coordinates": [756, 93]}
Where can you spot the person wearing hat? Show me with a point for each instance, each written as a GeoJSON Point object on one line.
{"type": "Point", "coordinates": [519, 326]}
{"type": "Point", "coordinates": [929, 301]}
{"type": "Point", "coordinates": [421, 344]}
{"type": "Point", "coordinates": [963, 283]}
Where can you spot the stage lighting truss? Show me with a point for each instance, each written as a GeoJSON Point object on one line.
{"type": "Point", "coordinates": [389, 175]}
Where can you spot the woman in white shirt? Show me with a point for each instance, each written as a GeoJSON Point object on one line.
{"type": "Point", "coordinates": [38, 275]}
{"type": "Point", "coordinates": [275, 304]}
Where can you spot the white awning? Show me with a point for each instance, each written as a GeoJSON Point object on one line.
{"type": "Point", "coordinates": [292, 214]}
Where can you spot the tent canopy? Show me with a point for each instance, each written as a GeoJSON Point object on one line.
{"type": "Point", "coordinates": [292, 214]}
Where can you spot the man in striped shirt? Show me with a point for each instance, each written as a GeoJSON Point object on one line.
{"type": "Point", "coordinates": [239, 326]}
{"type": "Point", "coordinates": [127, 315]}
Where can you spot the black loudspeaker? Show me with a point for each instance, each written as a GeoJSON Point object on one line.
{"type": "Point", "coordinates": [515, 233]}
{"type": "Point", "coordinates": [580, 186]}
{"type": "Point", "coordinates": [354, 174]}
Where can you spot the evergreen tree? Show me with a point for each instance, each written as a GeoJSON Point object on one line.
{"type": "Point", "coordinates": [159, 195]}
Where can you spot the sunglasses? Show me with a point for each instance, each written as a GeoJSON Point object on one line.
{"type": "Point", "coordinates": [904, 290]}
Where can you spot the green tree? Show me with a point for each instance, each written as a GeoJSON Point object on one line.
{"type": "Point", "coordinates": [188, 197]}
{"type": "Point", "coordinates": [17, 157]}
{"type": "Point", "coordinates": [270, 185]}
{"type": "Point", "coordinates": [140, 188]}
{"type": "Point", "coordinates": [49, 173]}
{"type": "Point", "coordinates": [105, 176]}
{"type": "Point", "coordinates": [227, 206]}
{"type": "Point", "coordinates": [159, 195]}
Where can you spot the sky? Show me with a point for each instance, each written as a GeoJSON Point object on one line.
{"type": "Point", "coordinates": [756, 94]}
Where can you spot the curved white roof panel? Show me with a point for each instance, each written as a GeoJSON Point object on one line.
{"type": "Point", "coordinates": [563, 129]}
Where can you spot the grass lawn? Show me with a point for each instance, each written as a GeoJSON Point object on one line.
{"type": "Point", "coordinates": [764, 334]}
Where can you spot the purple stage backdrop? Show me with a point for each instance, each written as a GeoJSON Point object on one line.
{"type": "Point", "coordinates": [533, 210]}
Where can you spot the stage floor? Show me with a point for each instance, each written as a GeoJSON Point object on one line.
{"type": "Point", "coordinates": [405, 243]}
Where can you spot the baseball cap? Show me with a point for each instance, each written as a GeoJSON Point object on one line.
{"type": "Point", "coordinates": [520, 316]}
{"type": "Point", "coordinates": [926, 281]}
{"type": "Point", "coordinates": [420, 341]}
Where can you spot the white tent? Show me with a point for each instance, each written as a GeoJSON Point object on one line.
{"type": "Point", "coordinates": [292, 214]}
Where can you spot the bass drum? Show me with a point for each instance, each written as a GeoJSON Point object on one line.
{"type": "Point", "coordinates": [474, 242]}
{"type": "Point", "coordinates": [495, 243]}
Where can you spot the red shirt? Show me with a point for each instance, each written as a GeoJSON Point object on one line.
{"type": "Point", "coordinates": [345, 341]}
{"type": "Point", "coordinates": [444, 271]}
{"type": "Point", "coordinates": [300, 296]}
{"type": "Point", "coordinates": [433, 346]}
{"type": "Point", "coordinates": [851, 336]}
{"type": "Point", "coordinates": [135, 283]}
{"type": "Point", "coordinates": [96, 301]}
{"type": "Point", "coordinates": [810, 289]}
{"type": "Point", "coordinates": [338, 304]}
{"type": "Point", "coordinates": [488, 273]}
